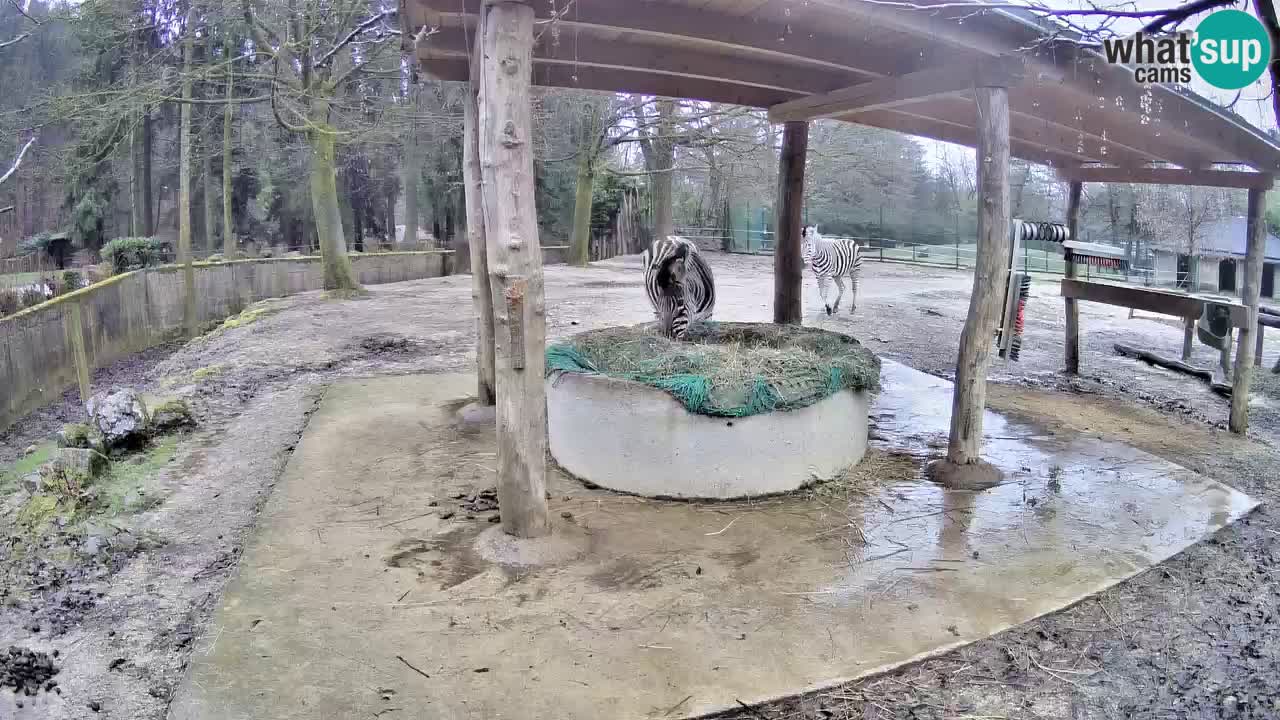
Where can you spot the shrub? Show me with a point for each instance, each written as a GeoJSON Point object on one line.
{"type": "Point", "coordinates": [132, 253]}
{"type": "Point", "coordinates": [71, 280]}
{"type": "Point", "coordinates": [10, 301]}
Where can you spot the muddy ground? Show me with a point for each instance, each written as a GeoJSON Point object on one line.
{"type": "Point", "coordinates": [1193, 638]}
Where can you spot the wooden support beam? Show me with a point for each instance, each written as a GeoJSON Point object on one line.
{"type": "Point", "coordinates": [481, 294]}
{"type": "Point", "coordinates": [963, 466]}
{"type": "Point", "coordinates": [788, 260]}
{"type": "Point", "coordinates": [1169, 176]}
{"type": "Point", "coordinates": [1155, 300]}
{"type": "Point", "coordinates": [904, 121]}
{"type": "Point", "coordinates": [1254, 252]}
{"type": "Point", "coordinates": [1073, 310]}
{"type": "Point", "coordinates": [515, 265]}
{"type": "Point", "coordinates": [903, 89]}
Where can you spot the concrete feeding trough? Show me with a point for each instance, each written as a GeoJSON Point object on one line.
{"type": "Point", "coordinates": [739, 410]}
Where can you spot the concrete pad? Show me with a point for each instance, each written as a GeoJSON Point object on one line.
{"type": "Point", "coordinates": [613, 433]}
{"type": "Point", "coordinates": [357, 596]}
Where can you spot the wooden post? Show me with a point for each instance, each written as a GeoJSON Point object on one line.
{"type": "Point", "coordinates": [1188, 337]}
{"type": "Point", "coordinates": [1249, 294]}
{"type": "Point", "coordinates": [515, 264]}
{"type": "Point", "coordinates": [963, 467]}
{"type": "Point", "coordinates": [1069, 271]}
{"type": "Point", "coordinates": [481, 296]}
{"type": "Point", "coordinates": [788, 260]}
{"type": "Point", "coordinates": [1257, 348]}
{"type": "Point", "coordinates": [75, 333]}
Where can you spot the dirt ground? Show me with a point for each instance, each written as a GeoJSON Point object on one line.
{"type": "Point", "coordinates": [1194, 638]}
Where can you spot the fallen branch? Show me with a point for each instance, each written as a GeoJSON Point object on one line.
{"type": "Point", "coordinates": [411, 667]}
{"type": "Point", "coordinates": [1151, 358]}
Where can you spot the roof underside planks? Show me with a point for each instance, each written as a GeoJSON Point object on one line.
{"type": "Point", "coordinates": [1070, 108]}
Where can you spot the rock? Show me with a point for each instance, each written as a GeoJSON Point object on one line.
{"type": "Point", "coordinates": [72, 470]}
{"type": "Point", "coordinates": [121, 417]}
{"type": "Point", "coordinates": [476, 415]}
{"type": "Point", "coordinates": [170, 416]}
{"type": "Point", "coordinates": [31, 450]}
{"type": "Point", "coordinates": [31, 482]}
{"type": "Point", "coordinates": [76, 435]}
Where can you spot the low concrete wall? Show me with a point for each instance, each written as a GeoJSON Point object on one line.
{"type": "Point", "coordinates": [134, 311]}
{"type": "Point", "coordinates": [630, 437]}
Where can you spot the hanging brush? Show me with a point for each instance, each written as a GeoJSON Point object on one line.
{"type": "Point", "coordinates": [1097, 255]}
{"type": "Point", "coordinates": [1015, 343]}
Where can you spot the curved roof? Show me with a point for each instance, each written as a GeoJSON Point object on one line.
{"type": "Point", "coordinates": [1069, 108]}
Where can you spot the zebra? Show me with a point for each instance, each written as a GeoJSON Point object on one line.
{"type": "Point", "coordinates": [832, 259]}
{"type": "Point", "coordinates": [679, 284]}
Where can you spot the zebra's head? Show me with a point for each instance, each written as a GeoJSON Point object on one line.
{"type": "Point", "coordinates": [809, 239]}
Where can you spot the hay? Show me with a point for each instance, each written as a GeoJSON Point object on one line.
{"type": "Point", "coordinates": [726, 369]}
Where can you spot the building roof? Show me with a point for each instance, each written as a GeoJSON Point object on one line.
{"type": "Point", "coordinates": [1229, 237]}
{"type": "Point", "coordinates": [1070, 108]}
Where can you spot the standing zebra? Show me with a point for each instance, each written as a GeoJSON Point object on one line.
{"type": "Point", "coordinates": [832, 259]}
{"type": "Point", "coordinates": [679, 285]}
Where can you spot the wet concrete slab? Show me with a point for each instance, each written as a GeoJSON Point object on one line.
{"type": "Point", "coordinates": [367, 591]}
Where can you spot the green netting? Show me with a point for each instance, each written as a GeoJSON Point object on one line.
{"type": "Point", "coordinates": [726, 369]}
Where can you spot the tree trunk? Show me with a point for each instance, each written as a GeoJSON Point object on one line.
{"type": "Point", "coordinates": [229, 245]}
{"type": "Point", "coordinates": [338, 273]}
{"type": "Point", "coordinates": [660, 156]}
{"type": "Point", "coordinates": [963, 465]}
{"type": "Point", "coordinates": [1073, 310]}
{"type": "Point", "coordinates": [588, 147]}
{"type": "Point", "coordinates": [481, 295]}
{"type": "Point", "coordinates": [143, 208]}
{"type": "Point", "coordinates": [184, 198]}
{"type": "Point", "coordinates": [515, 266]}
{"type": "Point", "coordinates": [1249, 295]}
{"type": "Point", "coordinates": [410, 171]}
{"type": "Point", "coordinates": [788, 259]}
{"type": "Point", "coordinates": [210, 221]}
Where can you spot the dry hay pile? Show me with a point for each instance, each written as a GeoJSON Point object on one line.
{"type": "Point", "coordinates": [726, 369]}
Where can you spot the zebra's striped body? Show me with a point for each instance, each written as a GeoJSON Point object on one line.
{"type": "Point", "coordinates": [679, 284]}
{"type": "Point", "coordinates": [833, 259]}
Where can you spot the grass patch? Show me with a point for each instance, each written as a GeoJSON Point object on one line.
{"type": "Point", "coordinates": [26, 465]}
{"type": "Point", "coordinates": [208, 372]}
{"type": "Point", "coordinates": [248, 316]}
{"type": "Point", "coordinates": [126, 489]}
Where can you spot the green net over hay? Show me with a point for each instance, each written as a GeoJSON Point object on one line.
{"type": "Point", "coordinates": [726, 369]}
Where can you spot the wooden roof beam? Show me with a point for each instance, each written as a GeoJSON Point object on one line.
{"type": "Point", "coordinates": [1169, 176]}
{"type": "Point", "coordinates": [639, 82]}
{"type": "Point", "coordinates": [901, 90]}
{"type": "Point", "coordinates": [959, 134]}
{"type": "Point", "coordinates": [592, 51]}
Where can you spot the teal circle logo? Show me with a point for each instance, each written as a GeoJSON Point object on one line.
{"type": "Point", "coordinates": [1232, 49]}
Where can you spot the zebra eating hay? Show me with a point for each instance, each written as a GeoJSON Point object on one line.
{"type": "Point", "coordinates": [679, 285]}
{"type": "Point", "coordinates": [832, 259]}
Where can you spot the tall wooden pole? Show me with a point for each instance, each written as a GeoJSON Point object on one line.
{"type": "Point", "coordinates": [1073, 310]}
{"type": "Point", "coordinates": [481, 295]}
{"type": "Point", "coordinates": [1243, 375]}
{"type": "Point", "coordinates": [515, 264]}
{"type": "Point", "coordinates": [788, 260]}
{"type": "Point", "coordinates": [963, 467]}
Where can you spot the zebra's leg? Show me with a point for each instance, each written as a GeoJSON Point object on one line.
{"type": "Point", "coordinates": [835, 307]}
{"type": "Point", "coordinates": [823, 287]}
{"type": "Point", "coordinates": [853, 287]}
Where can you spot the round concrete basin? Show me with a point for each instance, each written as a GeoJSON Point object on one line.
{"type": "Point", "coordinates": [630, 437]}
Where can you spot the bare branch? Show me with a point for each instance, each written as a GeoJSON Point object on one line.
{"type": "Point", "coordinates": [355, 32]}
{"type": "Point", "coordinates": [14, 41]}
{"type": "Point", "coordinates": [17, 161]}
{"type": "Point", "coordinates": [23, 10]}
